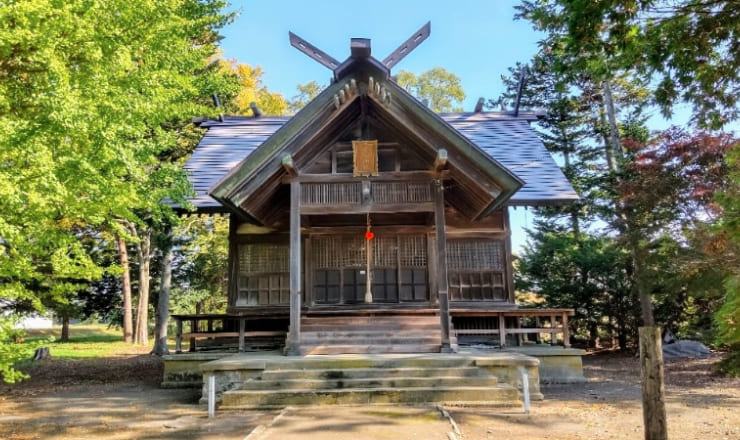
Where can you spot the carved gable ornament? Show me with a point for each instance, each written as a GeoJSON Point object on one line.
{"type": "Point", "coordinates": [365, 158]}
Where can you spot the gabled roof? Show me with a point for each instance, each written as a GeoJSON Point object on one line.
{"type": "Point", "coordinates": [482, 183]}
{"type": "Point", "coordinates": [509, 140]}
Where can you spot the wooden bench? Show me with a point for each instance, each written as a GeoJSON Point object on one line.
{"type": "Point", "coordinates": [551, 315]}
{"type": "Point", "coordinates": [194, 334]}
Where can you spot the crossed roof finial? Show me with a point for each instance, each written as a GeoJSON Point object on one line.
{"type": "Point", "coordinates": [361, 46]}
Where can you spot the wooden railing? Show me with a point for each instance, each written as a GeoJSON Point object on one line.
{"type": "Point", "coordinates": [346, 195]}
{"type": "Point", "coordinates": [211, 330]}
{"type": "Point", "coordinates": [548, 321]}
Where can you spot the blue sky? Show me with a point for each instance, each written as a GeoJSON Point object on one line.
{"type": "Point", "coordinates": [475, 39]}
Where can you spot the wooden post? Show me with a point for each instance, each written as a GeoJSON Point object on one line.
{"type": "Point", "coordinates": [566, 331]}
{"type": "Point", "coordinates": [502, 330]}
{"type": "Point", "coordinates": [193, 328]}
{"type": "Point", "coordinates": [653, 390]}
{"type": "Point", "coordinates": [442, 287]}
{"type": "Point", "coordinates": [178, 336]}
{"type": "Point", "coordinates": [241, 333]}
{"type": "Point", "coordinates": [294, 334]}
{"type": "Point", "coordinates": [553, 330]}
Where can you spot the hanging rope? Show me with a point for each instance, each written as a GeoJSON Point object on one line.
{"type": "Point", "coordinates": [369, 235]}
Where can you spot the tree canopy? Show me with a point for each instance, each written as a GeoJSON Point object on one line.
{"type": "Point", "coordinates": [439, 88]}
{"type": "Point", "coordinates": [93, 97]}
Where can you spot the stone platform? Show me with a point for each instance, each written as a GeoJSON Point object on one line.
{"type": "Point", "coordinates": [471, 376]}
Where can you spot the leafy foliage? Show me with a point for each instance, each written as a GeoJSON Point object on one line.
{"type": "Point", "coordinates": [689, 47]}
{"type": "Point", "coordinates": [306, 93]}
{"type": "Point", "coordinates": [438, 87]}
{"type": "Point", "coordinates": [252, 90]}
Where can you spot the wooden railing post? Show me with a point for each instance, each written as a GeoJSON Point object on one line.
{"type": "Point", "coordinates": [566, 331]}
{"type": "Point", "coordinates": [442, 286]}
{"type": "Point", "coordinates": [294, 334]}
{"type": "Point", "coordinates": [178, 336]}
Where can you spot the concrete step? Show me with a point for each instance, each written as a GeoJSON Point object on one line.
{"type": "Point", "coordinates": [368, 349]}
{"type": "Point", "coordinates": [368, 373]}
{"type": "Point", "coordinates": [503, 395]}
{"type": "Point", "coordinates": [369, 383]}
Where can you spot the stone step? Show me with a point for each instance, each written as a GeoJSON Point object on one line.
{"type": "Point", "coordinates": [309, 339]}
{"type": "Point", "coordinates": [369, 383]}
{"type": "Point", "coordinates": [371, 320]}
{"type": "Point", "coordinates": [350, 361]}
{"type": "Point", "coordinates": [503, 395]}
{"type": "Point", "coordinates": [368, 349]}
{"type": "Point", "coordinates": [325, 327]}
{"type": "Point", "coordinates": [305, 335]}
{"type": "Point", "coordinates": [368, 373]}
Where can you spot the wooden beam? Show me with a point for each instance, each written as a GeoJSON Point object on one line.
{"type": "Point", "coordinates": [288, 165]}
{"type": "Point", "coordinates": [442, 286]}
{"type": "Point", "coordinates": [293, 342]}
{"type": "Point", "coordinates": [441, 160]}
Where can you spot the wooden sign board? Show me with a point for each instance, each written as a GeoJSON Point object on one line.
{"type": "Point", "coordinates": [365, 158]}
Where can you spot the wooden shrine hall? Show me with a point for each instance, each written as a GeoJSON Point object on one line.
{"type": "Point", "coordinates": [366, 223]}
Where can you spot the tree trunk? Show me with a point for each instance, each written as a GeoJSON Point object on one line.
{"type": "Point", "coordinates": [143, 248]}
{"type": "Point", "coordinates": [128, 322]}
{"type": "Point", "coordinates": [65, 328]}
{"type": "Point", "coordinates": [163, 302]}
{"type": "Point", "coordinates": [614, 146]}
{"type": "Point", "coordinates": [639, 255]}
{"type": "Point", "coordinates": [653, 390]}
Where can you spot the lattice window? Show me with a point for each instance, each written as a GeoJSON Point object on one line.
{"type": "Point", "coordinates": [263, 274]}
{"type": "Point", "coordinates": [336, 252]}
{"type": "Point", "coordinates": [476, 270]}
{"type": "Point", "coordinates": [413, 251]}
{"type": "Point", "coordinates": [478, 254]}
{"type": "Point", "coordinates": [263, 258]}
{"type": "Point", "coordinates": [399, 268]}
{"type": "Point", "coordinates": [385, 251]}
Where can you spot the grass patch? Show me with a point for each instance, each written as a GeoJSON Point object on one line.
{"type": "Point", "coordinates": [85, 341]}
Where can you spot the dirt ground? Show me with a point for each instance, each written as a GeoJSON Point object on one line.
{"type": "Point", "coordinates": [119, 398]}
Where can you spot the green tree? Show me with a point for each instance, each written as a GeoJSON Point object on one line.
{"type": "Point", "coordinates": [439, 88]}
{"type": "Point", "coordinates": [252, 90]}
{"type": "Point", "coordinates": [88, 93]}
{"type": "Point", "coordinates": [306, 93]}
{"type": "Point", "coordinates": [688, 47]}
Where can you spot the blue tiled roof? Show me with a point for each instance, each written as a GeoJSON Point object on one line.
{"type": "Point", "coordinates": [510, 140]}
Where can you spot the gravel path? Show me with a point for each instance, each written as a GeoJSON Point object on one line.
{"type": "Point", "coordinates": [119, 398]}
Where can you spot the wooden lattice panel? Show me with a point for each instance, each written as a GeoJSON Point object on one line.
{"type": "Point", "coordinates": [413, 251]}
{"type": "Point", "coordinates": [401, 192]}
{"type": "Point", "coordinates": [263, 258]}
{"type": "Point", "coordinates": [337, 252]}
{"type": "Point", "coordinates": [347, 193]}
{"type": "Point", "coordinates": [475, 254]}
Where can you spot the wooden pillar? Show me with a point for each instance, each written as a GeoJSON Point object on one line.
{"type": "Point", "coordinates": [442, 287]}
{"type": "Point", "coordinates": [653, 388]}
{"type": "Point", "coordinates": [292, 346]}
